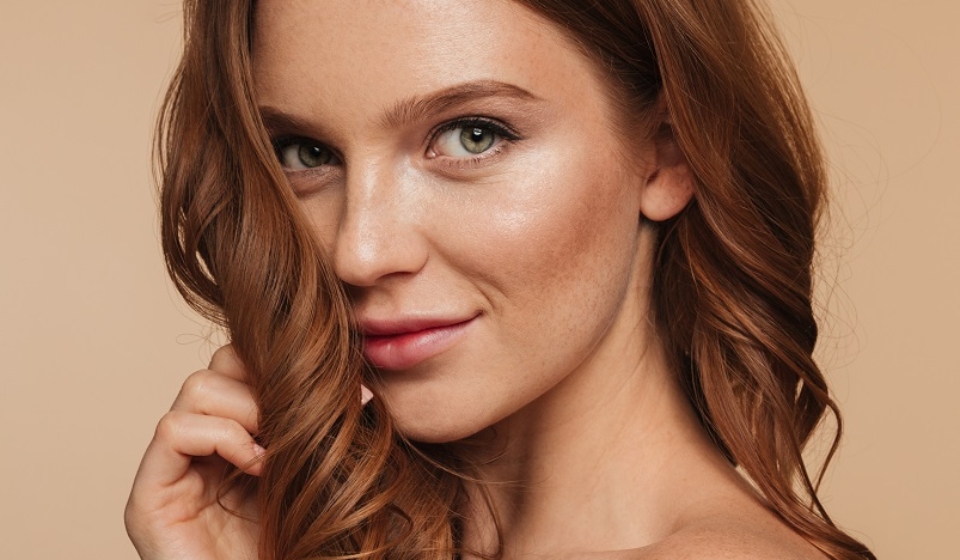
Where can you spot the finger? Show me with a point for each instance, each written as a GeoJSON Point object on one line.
{"type": "Point", "coordinates": [181, 436]}
{"type": "Point", "coordinates": [365, 395]}
{"type": "Point", "coordinates": [214, 394]}
{"type": "Point", "coordinates": [226, 361]}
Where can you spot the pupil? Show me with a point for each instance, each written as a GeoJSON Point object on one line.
{"type": "Point", "coordinates": [312, 155]}
{"type": "Point", "coordinates": [476, 140]}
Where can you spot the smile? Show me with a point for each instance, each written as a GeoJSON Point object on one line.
{"type": "Point", "coordinates": [399, 345]}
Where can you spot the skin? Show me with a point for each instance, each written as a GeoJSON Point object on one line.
{"type": "Point", "coordinates": [546, 238]}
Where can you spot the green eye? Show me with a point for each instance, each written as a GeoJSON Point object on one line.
{"type": "Point", "coordinates": [300, 153]}
{"type": "Point", "coordinates": [470, 138]}
{"type": "Point", "coordinates": [477, 140]}
{"type": "Point", "coordinates": [313, 155]}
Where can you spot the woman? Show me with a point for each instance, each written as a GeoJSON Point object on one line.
{"type": "Point", "coordinates": [502, 279]}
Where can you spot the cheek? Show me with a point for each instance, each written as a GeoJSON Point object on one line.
{"type": "Point", "coordinates": [547, 255]}
{"type": "Point", "coordinates": [557, 252]}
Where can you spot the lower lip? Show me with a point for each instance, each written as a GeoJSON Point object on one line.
{"type": "Point", "coordinates": [403, 351]}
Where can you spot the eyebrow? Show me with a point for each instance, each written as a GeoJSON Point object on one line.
{"type": "Point", "coordinates": [275, 120]}
{"type": "Point", "coordinates": [413, 108]}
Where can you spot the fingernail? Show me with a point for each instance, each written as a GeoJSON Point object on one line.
{"type": "Point", "coordinates": [365, 395]}
{"type": "Point", "coordinates": [258, 451]}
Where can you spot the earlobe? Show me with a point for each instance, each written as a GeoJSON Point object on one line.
{"type": "Point", "coordinates": [669, 188]}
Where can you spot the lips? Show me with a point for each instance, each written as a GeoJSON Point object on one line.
{"type": "Point", "coordinates": [404, 343]}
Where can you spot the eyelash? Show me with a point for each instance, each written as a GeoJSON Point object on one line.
{"type": "Point", "coordinates": [282, 143]}
{"type": "Point", "coordinates": [504, 133]}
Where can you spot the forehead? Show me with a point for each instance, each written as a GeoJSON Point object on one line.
{"type": "Point", "coordinates": [354, 55]}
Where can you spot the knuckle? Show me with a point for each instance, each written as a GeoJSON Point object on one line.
{"type": "Point", "coordinates": [198, 383]}
{"type": "Point", "coordinates": [226, 360]}
{"type": "Point", "coordinates": [224, 353]}
{"type": "Point", "coordinates": [170, 426]}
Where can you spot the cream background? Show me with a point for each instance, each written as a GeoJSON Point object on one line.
{"type": "Point", "coordinates": [94, 343]}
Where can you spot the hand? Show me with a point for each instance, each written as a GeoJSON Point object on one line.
{"type": "Point", "coordinates": [173, 512]}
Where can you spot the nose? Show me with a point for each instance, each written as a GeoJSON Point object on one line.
{"type": "Point", "coordinates": [378, 235]}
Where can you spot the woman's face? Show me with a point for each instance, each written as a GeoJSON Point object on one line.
{"type": "Point", "coordinates": [459, 162]}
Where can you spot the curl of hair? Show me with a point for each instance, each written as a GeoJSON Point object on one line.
{"type": "Point", "coordinates": [732, 281]}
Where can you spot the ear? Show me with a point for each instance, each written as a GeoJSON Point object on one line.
{"type": "Point", "coordinates": [669, 187]}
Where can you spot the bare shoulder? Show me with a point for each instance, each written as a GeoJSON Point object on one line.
{"type": "Point", "coordinates": [723, 540]}
{"type": "Point", "coordinates": [732, 539]}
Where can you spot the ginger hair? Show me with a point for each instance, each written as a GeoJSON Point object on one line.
{"type": "Point", "coordinates": [732, 291]}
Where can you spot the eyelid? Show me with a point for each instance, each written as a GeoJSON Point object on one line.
{"type": "Point", "coordinates": [281, 142]}
{"type": "Point", "coordinates": [284, 141]}
{"type": "Point", "coordinates": [497, 127]}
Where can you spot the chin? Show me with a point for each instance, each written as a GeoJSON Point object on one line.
{"type": "Point", "coordinates": [430, 429]}
{"type": "Point", "coordinates": [427, 420]}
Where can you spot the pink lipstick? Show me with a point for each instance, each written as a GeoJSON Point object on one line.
{"type": "Point", "coordinates": [402, 344]}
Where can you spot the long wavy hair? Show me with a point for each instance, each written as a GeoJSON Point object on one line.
{"type": "Point", "coordinates": [732, 279]}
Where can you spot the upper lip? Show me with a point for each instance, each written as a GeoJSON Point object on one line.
{"type": "Point", "coordinates": [402, 325]}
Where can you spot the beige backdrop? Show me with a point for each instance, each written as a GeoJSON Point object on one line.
{"type": "Point", "coordinates": [94, 343]}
